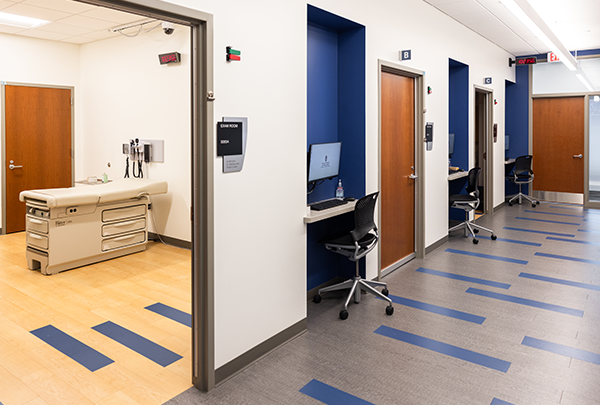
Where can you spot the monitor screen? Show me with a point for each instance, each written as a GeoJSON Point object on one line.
{"type": "Point", "coordinates": [323, 161]}
{"type": "Point", "coordinates": [506, 142]}
{"type": "Point", "coordinates": [450, 144]}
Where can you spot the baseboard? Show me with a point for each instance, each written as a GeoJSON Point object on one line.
{"type": "Point", "coordinates": [170, 241]}
{"type": "Point", "coordinates": [429, 249]}
{"type": "Point", "coordinates": [499, 207]}
{"type": "Point", "coordinates": [311, 293]}
{"type": "Point", "coordinates": [241, 362]}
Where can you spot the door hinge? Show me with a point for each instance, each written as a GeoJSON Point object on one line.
{"type": "Point", "coordinates": [71, 101]}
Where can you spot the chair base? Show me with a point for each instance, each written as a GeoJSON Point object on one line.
{"type": "Point", "coordinates": [520, 196]}
{"type": "Point", "coordinates": [470, 229]}
{"type": "Point", "coordinates": [356, 285]}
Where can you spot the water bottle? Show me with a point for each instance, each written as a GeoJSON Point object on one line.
{"type": "Point", "coordinates": [339, 191]}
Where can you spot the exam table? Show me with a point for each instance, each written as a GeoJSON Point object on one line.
{"type": "Point", "coordinates": [77, 226]}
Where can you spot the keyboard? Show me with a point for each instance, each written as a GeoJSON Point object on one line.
{"type": "Point", "coordinates": [323, 205]}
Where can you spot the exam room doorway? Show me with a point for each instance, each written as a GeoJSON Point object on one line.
{"type": "Point", "coordinates": [38, 142]}
{"type": "Point", "coordinates": [401, 218]}
{"type": "Point", "coordinates": [484, 141]}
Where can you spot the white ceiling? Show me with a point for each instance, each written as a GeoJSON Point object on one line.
{"type": "Point", "coordinates": [72, 21]}
{"type": "Point", "coordinates": [575, 22]}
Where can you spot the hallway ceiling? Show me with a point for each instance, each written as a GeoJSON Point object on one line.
{"type": "Point", "coordinates": [574, 22]}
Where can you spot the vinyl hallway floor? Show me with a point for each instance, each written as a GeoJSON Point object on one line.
{"type": "Point", "coordinates": [510, 321]}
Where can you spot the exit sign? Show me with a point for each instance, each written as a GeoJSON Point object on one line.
{"type": "Point", "coordinates": [552, 57]}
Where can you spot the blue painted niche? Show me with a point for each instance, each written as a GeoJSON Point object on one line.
{"type": "Point", "coordinates": [335, 112]}
{"type": "Point", "coordinates": [516, 113]}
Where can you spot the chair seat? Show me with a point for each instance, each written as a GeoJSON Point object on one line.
{"type": "Point", "coordinates": [462, 198]}
{"type": "Point", "coordinates": [345, 239]}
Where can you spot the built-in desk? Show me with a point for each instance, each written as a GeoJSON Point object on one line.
{"type": "Point", "coordinates": [315, 216]}
{"type": "Point", "coordinates": [457, 175]}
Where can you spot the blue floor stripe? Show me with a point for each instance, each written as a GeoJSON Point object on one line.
{"type": "Point", "coordinates": [463, 278]}
{"type": "Point", "coordinates": [546, 220]}
{"type": "Point", "coordinates": [73, 348]}
{"type": "Point", "coordinates": [542, 232]}
{"type": "Point", "coordinates": [572, 259]}
{"type": "Point", "coordinates": [137, 343]}
{"type": "Point", "coordinates": [518, 242]}
{"type": "Point", "coordinates": [555, 213]}
{"type": "Point", "coordinates": [444, 348]}
{"type": "Point", "coordinates": [560, 281]}
{"type": "Point", "coordinates": [463, 316]}
{"type": "Point", "coordinates": [330, 395]}
{"type": "Point", "coordinates": [582, 242]}
{"type": "Point", "coordinates": [497, 401]}
{"type": "Point", "coordinates": [568, 208]}
{"type": "Point", "coordinates": [525, 301]}
{"type": "Point", "coordinates": [483, 255]}
{"type": "Point", "coordinates": [171, 313]}
{"type": "Point", "coordinates": [587, 230]}
{"type": "Point", "coordinates": [579, 354]}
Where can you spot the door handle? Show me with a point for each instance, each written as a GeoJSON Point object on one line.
{"type": "Point", "coordinates": [11, 166]}
{"type": "Point", "coordinates": [580, 156]}
{"type": "Point", "coordinates": [413, 176]}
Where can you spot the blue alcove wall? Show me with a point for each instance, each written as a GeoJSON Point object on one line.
{"type": "Point", "coordinates": [516, 121]}
{"type": "Point", "coordinates": [335, 112]}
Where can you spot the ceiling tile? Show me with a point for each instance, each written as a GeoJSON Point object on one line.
{"type": "Point", "coordinates": [67, 6]}
{"type": "Point", "coordinates": [108, 14]}
{"type": "Point", "coordinates": [4, 4]}
{"type": "Point", "coordinates": [35, 12]}
{"type": "Point", "coordinates": [52, 36]}
{"type": "Point", "coordinates": [65, 29]}
{"type": "Point", "coordinates": [87, 22]}
{"type": "Point", "coordinates": [9, 29]}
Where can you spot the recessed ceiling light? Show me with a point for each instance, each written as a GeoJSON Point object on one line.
{"type": "Point", "coordinates": [21, 21]}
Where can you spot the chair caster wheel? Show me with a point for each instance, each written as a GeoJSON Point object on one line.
{"type": "Point", "coordinates": [385, 292]}
{"type": "Point", "coordinates": [494, 237]}
{"type": "Point", "coordinates": [533, 205]}
{"type": "Point", "coordinates": [343, 314]}
{"type": "Point", "coordinates": [510, 204]}
{"type": "Point", "coordinates": [317, 299]}
{"type": "Point", "coordinates": [476, 230]}
{"type": "Point", "coordinates": [389, 310]}
{"type": "Point", "coordinates": [475, 241]}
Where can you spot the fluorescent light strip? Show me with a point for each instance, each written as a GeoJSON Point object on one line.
{"type": "Point", "coordinates": [554, 45]}
{"type": "Point", "coordinates": [585, 82]}
{"type": "Point", "coordinates": [21, 21]}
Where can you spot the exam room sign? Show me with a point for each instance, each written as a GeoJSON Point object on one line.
{"type": "Point", "coordinates": [229, 138]}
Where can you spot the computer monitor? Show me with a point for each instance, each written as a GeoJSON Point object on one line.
{"type": "Point", "coordinates": [506, 142]}
{"type": "Point", "coordinates": [323, 161]}
{"type": "Point", "coordinates": [450, 144]}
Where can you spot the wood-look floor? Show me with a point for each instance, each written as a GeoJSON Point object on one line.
{"type": "Point", "coordinates": [34, 373]}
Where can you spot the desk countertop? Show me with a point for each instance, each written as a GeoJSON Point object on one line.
{"type": "Point", "coordinates": [314, 216]}
{"type": "Point", "coordinates": [457, 175]}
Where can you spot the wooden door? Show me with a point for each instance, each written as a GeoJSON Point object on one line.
{"type": "Point", "coordinates": [558, 136]}
{"type": "Point", "coordinates": [38, 143]}
{"type": "Point", "coordinates": [397, 225]}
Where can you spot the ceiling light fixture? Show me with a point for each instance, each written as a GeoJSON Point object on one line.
{"type": "Point", "coordinates": [528, 16]}
{"type": "Point", "coordinates": [21, 21]}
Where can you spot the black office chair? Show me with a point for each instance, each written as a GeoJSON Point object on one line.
{"type": "Point", "coordinates": [469, 202]}
{"type": "Point", "coordinates": [355, 245]}
{"type": "Point", "coordinates": [522, 174]}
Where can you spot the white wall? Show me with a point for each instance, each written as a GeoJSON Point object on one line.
{"type": "Point", "coordinates": [127, 94]}
{"type": "Point", "coordinates": [260, 251]}
{"type": "Point", "coordinates": [34, 61]}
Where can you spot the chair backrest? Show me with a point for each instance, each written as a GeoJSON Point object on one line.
{"type": "Point", "coordinates": [472, 184]}
{"type": "Point", "coordinates": [364, 212]}
{"type": "Point", "coordinates": [523, 165]}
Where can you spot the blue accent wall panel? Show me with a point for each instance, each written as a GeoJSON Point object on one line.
{"type": "Point", "coordinates": [73, 348]}
{"type": "Point", "coordinates": [516, 120]}
{"type": "Point", "coordinates": [458, 111]}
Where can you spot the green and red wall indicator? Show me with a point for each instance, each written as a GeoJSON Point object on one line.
{"type": "Point", "coordinates": [233, 54]}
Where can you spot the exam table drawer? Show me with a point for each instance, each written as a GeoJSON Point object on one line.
{"type": "Point", "coordinates": [123, 227]}
{"type": "Point", "coordinates": [36, 225]}
{"type": "Point", "coordinates": [36, 240]}
{"type": "Point", "coordinates": [123, 213]}
{"type": "Point", "coordinates": [123, 241]}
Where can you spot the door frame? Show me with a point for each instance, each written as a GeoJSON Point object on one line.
{"type": "Point", "coordinates": [202, 185]}
{"type": "Point", "coordinates": [488, 146]}
{"type": "Point", "coordinates": [417, 75]}
{"type": "Point", "coordinates": [3, 138]}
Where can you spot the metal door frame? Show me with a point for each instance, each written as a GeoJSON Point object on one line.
{"type": "Point", "coordinates": [488, 180]}
{"type": "Point", "coordinates": [417, 75]}
{"type": "Point", "coordinates": [3, 138]}
{"type": "Point", "coordinates": [202, 144]}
